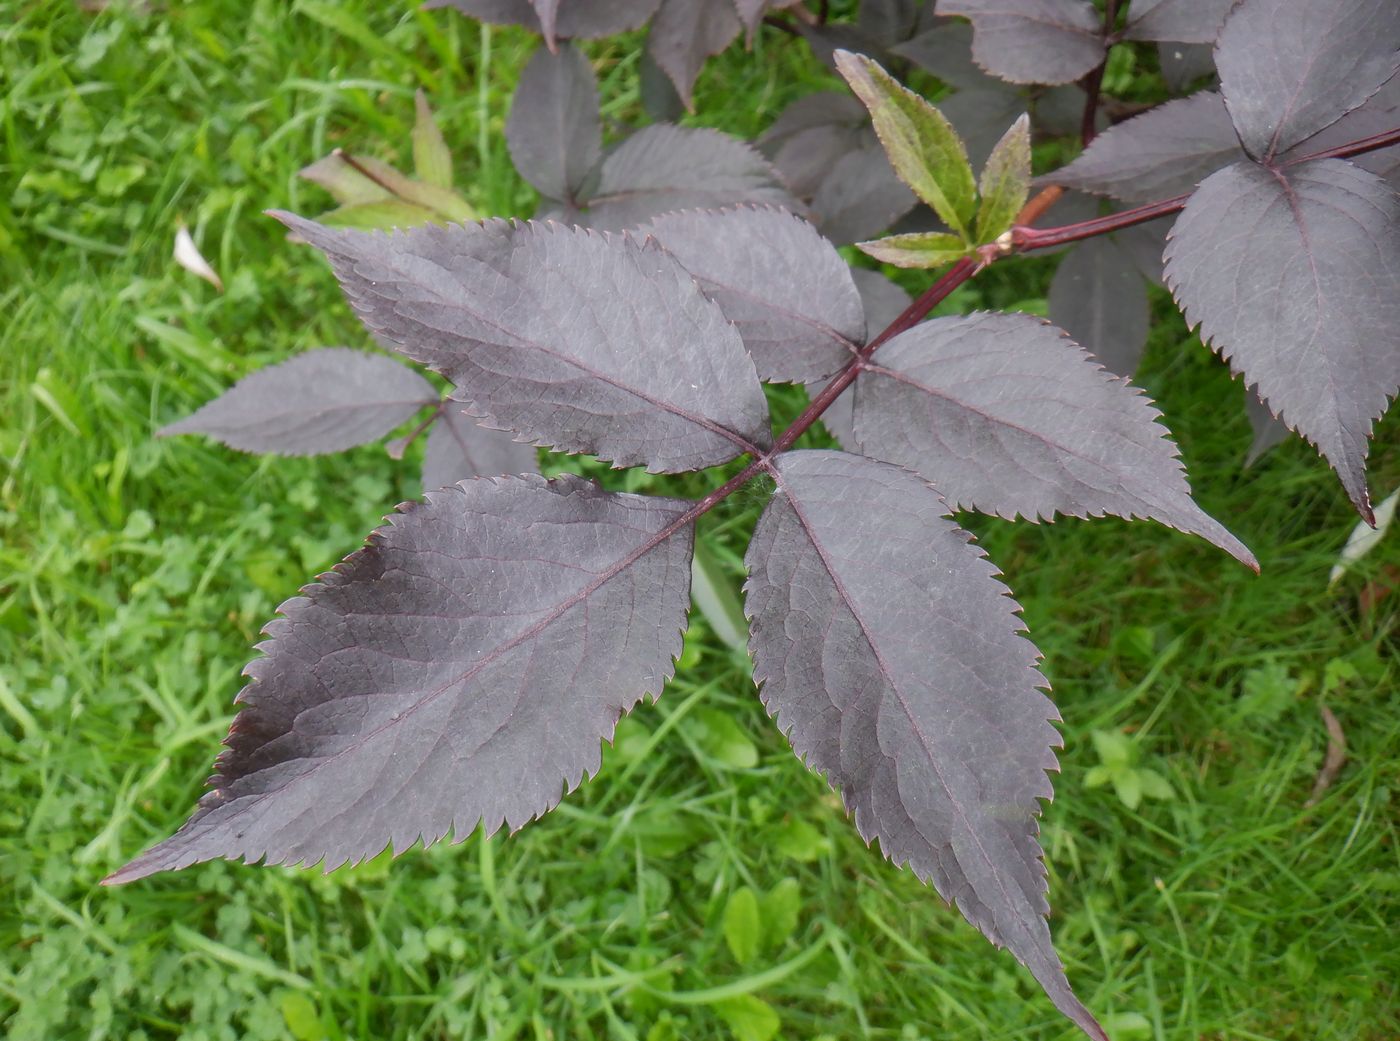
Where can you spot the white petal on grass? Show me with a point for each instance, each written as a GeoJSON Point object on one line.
{"type": "Point", "coordinates": [187, 255]}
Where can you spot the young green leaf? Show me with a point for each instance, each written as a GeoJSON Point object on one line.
{"type": "Point", "coordinates": [432, 162]}
{"type": "Point", "coordinates": [926, 151]}
{"type": "Point", "coordinates": [779, 911]}
{"type": "Point", "coordinates": [749, 1018]}
{"type": "Point", "coordinates": [1005, 182]}
{"type": "Point", "coordinates": [916, 249]}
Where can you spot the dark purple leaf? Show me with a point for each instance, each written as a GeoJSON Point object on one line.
{"type": "Point", "coordinates": [554, 132]}
{"type": "Point", "coordinates": [1290, 69]}
{"type": "Point", "coordinates": [892, 658]}
{"type": "Point", "coordinates": [861, 196]}
{"type": "Point", "coordinates": [945, 51]}
{"type": "Point", "coordinates": [1183, 64]}
{"type": "Point", "coordinates": [586, 19]}
{"type": "Point", "coordinates": [1183, 21]}
{"type": "Point", "coordinates": [981, 116]}
{"type": "Point", "coordinates": [659, 97]}
{"type": "Point", "coordinates": [889, 22]}
{"type": "Point", "coordinates": [663, 168]}
{"type": "Point", "coordinates": [812, 135]}
{"type": "Point", "coordinates": [459, 448]}
{"type": "Point", "coordinates": [1294, 277]}
{"type": "Point", "coordinates": [826, 38]}
{"type": "Point", "coordinates": [580, 341]}
{"type": "Point", "coordinates": [1165, 151]}
{"type": "Point", "coordinates": [1032, 41]}
{"type": "Point", "coordinates": [686, 32]}
{"type": "Point", "coordinates": [461, 669]}
{"type": "Point", "coordinates": [1268, 431]}
{"type": "Point", "coordinates": [1098, 297]}
{"type": "Point", "coordinates": [1380, 114]}
{"type": "Point", "coordinates": [1144, 244]}
{"type": "Point", "coordinates": [883, 302]}
{"type": "Point", "coordinates": [1007, 416]}
{"type": "Point", "coordinates": [784, 287]}
{"type": "Point", "coordinates": [751, 13]}
{"type": "Point", "coordinates": [1059, 111]}
{"type": "Point", "coordinates": [325, 400]}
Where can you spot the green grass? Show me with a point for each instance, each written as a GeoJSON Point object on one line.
{"type": "Point", "coordinates": [135, 574]}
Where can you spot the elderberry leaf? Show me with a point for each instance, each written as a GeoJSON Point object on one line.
{"type": "Point", "coordinates": [1380, 114]}
{"type": "Point", "coordinates": [784, 287]}
{"type": "Point", "coordinates": [1266, 428]}
{"type": "Point", "coordinates": [1290, 69]}
{"type": "Point", "coordinates": [1182, 64]}
{"type": "Point", "coordinates": [979, 114]}
{"type": "Point", "coordinates": [460, 448]}
{"type": "Point", "coordinates": [1008, 416]}
{"type": "Point", "coordinates": [581, 341]}
{"type": "Point", "coordinates": [659, 97]}
{"type": "Point", "coordinates": [883, 302]}
{"type": "Point", "coordinates": [892, 658]}
{"type": "Point", "coordinates": [918, 249]}
{"type": "Point", "coordinates": [861, 196]}
{"type": "Point", "coordinates": [1005, 182]}
{"type": "Point", "coordinates": [1182, 21]}
{"type": "Point", "coordinates": [945, 51]}
{"type": "Point", "coordinates": [1032, 41]}
{"type": "Point", "coordinates": [812, 134]}
{"type": "Point", "coordinates": [1099, 298]}
{"type": "Point", "coordinates": [462, 668]}
{"type": "Point", "coordinates": [686, 32]}
{"type": "Point", "coordinates": [1163, 152]}
{"type": "Point", "coordinates": [325, 400]}
{"type": "Point", "coordinates": [923, 147]}
{"type": "Point", "coordinates": [1293, 276]}
{"type": "Point", "coordinates": [585, 19]}
{"type": "Point", "coordinates": [554, 132]}
{"type": "Point", "coordinates": [662, 168]}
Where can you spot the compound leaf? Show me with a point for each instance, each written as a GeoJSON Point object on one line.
{"type": "Point", "coordinates": [893, 660]}
{"type": "Point", "coordinates": [1098, 296]}
{"type": "Point", "coordinates": [461, 668]}
{"type": "Point", "coordinates": [662, 168]}
{"type": "Point", "coordinates": [1293, 276]}
{"type": "Point", "coordinates": [325, 400]}
{"type": "Point", "coordinates": [584, 342]}
{"type": "Point", "coordinates": [585, 19]}
{"type": "Point", "coordinates": [686, 32]}
{"type": "Point", "coordinates": [460, 448]}
{"type": "Point", "coordinates": [1005, 182]}
{"type": "Point", "coordinates": [1380, 114]}
{"type": "Point", "coordinates": [1006, 415]}
{"type": "Point", "coordinates": [1032, 41]}
{"type": "Point", "coordinates": [923, 147]}
{"type": "Point", "coordinates": [1290, 69]}
{"type": "Point", "coordinates": [1182, 21]}
{"type": "Point", "coordinates": [554, 132]}
{"type": "Point", "coordinates": [1164, 152]}
{"type": "Point", "coordinates": [784, 287]}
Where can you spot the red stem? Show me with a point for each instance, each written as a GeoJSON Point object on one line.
{"type": "Point", "coordinates": [1024, 239]}
{"type": "Point", "coordinates": [1093, 82]}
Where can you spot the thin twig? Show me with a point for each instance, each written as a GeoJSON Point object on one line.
{"type": "Point", "coordinates": [1093, 83]}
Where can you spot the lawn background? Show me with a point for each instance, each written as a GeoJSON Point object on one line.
{"type": "Point", "coordinates": [135, 575]}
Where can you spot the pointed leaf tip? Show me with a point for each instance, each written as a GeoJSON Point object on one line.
{"type": "Point", "coordinates": [922, 145]}
{"type": "Point", "coordinates": [451, 673]}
